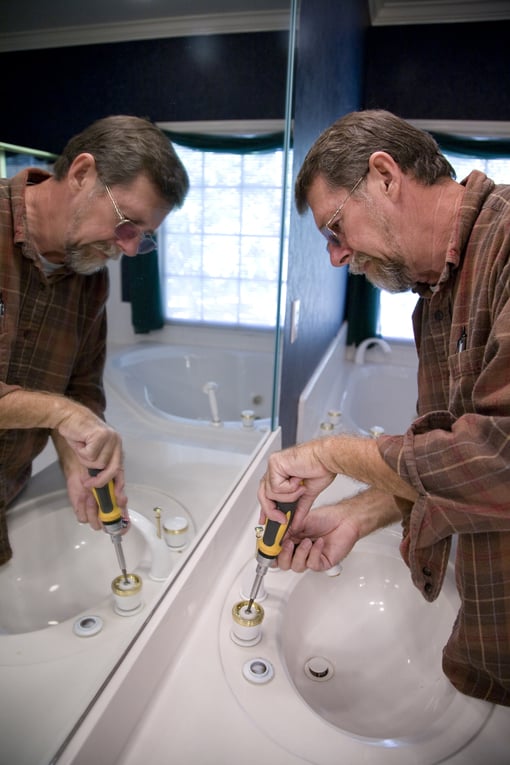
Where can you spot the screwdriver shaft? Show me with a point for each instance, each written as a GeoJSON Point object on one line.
{"type": "Point", "coordinates": [254, 592]}
{"type": "Point", "coordinates": [117, 541]}
{"type": "Point", "coordinates": [259, 575]}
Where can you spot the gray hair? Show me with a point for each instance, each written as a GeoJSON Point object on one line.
{"type": "Point", "coordinates": [125, 147]}
{"type": "Point", "coordinates": [340, 155]}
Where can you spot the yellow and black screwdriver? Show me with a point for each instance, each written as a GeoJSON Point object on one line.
{"type": "Point", "coordinates": [269, 547]}
{"type": "Point", "coordinates": [111, 517]}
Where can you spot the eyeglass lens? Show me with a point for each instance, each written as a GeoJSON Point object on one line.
{"type": "Point", "coordinates": [330, 236]}
{"type": "Point", "coordinates": [127, 231]}
{"type": "Point", "coordinates": [327, 230]}
{"type": "Point", "coordinates": [147, 244]}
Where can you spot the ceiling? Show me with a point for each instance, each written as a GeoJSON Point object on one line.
{"type": "Point", "coordinates": [31, 24]}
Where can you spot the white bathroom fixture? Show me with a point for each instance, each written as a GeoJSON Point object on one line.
{"type": "Point", "coordinates": [379, 395]}
{"type": "Point", "coordinates": [184, 479]}
{"type": "Point", "coordinates": [267, 721]}
{"type": "Point", "coordinates": [160, 560]}
{"type": "Point", "coordinates": [384, 643]}
{"type": "Point", "coordinates": [361, 350]}
{"type": "Point", "coordinates": [210, 388]}
{"type": "Point", "coordinates": [168, 382]}
{"type": "Point", "coordinates": [127, 594]}
{"type": "Point", "coordinates": [60, 568]}
{"type": "Point", "coordinates": [176, 531]}
{"type": "Point", "coordinates": [362, 650]}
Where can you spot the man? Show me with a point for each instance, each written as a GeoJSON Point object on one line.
{"type": "Point", "coordinates": [385, 199]}
{"type": "Point", "coordinates": [112, 187]}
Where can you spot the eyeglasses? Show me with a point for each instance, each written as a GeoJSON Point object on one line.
{"type": "Point", "coordinates": [127, 230]}
{"type": "Point", "coordinates": [326, 230]}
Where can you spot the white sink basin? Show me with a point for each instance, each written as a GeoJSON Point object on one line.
{"type": "Point", "coordinates": [378, 695]}
{"type": "Point", "coordinates": [379, 395]}
{"type": "Point", "coordinates": [375, 644]}
{"type": "Point", "coordinates": [59, 568]}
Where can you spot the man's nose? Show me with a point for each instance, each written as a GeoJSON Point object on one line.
{"type": "Point", "coordinates": [128, 247]}
{"type": "Point", "coordinates": [339, 255]}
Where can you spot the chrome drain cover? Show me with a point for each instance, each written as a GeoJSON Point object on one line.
{"type": "Point", "coordinates": [319, 668]}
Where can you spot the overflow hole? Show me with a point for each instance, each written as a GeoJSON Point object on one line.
{"type": "Point", "coordinates": [88, 625]}
{"type": "Point", "coordinates": [258, 670]}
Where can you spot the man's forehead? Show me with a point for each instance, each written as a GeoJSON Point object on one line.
{"type": "Point", "coordinates": [322, 199]}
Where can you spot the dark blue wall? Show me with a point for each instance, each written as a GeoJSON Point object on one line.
{"type": "Point", "coordinates": [328, 83]}
{"type": "Point", "coordinates": [440, 71]}
{"type": "Point", "coordinates": [48, 95]}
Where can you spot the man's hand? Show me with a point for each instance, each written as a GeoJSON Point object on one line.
{"type": "Point", "coordinates": [327, 534]}
{"type": "Point", "coordinates": [292, 474]}
{"type": "Point", "coordinates": [81, 496]}
{"type": "Point", "coordinates": [83, 500]}
{"type": "Point", "coordinates": [94, 442]}
{"type": "Point", "coordinates": [301, 472]}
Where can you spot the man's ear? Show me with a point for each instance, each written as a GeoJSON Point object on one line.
{"type": "Point", "coordinates": [385, 172]}
{"type": "Point", "coordinates": [82, 171]}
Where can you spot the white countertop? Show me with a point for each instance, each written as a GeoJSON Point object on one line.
{"type": "Point", "coordinates": [172, 702]}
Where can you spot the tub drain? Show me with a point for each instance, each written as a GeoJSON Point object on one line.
{"type": "Point", "coordinates": [319, 669]}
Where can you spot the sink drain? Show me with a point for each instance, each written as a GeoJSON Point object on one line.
{"type": "Point", "coordinates": [319, 669]}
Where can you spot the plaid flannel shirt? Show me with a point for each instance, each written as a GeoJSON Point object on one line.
{"type": "Point", "coordinates": [457, 453]}
{"type": "Point", "coordinates": [52, 337]}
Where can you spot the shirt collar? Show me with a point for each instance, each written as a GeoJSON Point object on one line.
{"type": "Point", "coordinates": [477, 188]}
{"type": "Point", "coordinates": [19, 182]}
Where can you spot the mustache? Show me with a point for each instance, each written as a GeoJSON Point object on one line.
{"type": "Point", "coordinates": [91, 258]}
{"type": "Point", "coordinates": [392, 276]}
{"type": "Point", "coordinates": [358, 262]}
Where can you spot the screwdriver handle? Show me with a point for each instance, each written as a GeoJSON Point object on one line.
{"type": "Point", "coordinates": [109, 511]}
{"type": "Point", "coordinates": [270, 544]}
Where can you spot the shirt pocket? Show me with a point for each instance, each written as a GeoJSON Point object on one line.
{"type": "Point", "coordinates": [2, 314]}
{"type": "Point", "coordinates": [464, 367]}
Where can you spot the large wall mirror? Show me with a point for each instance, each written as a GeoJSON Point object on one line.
{"type": "Point", "coordinates": [66, 621]}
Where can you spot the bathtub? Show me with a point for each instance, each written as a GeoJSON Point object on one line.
{"type": "Point", "coordinates": [194, 385]}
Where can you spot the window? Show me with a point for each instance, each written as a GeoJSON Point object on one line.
{"type": "Point", "coordinates": [220, 251]}
{"type": "Point", "coordinates": [395, 310]}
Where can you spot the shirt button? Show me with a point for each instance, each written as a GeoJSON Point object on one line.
{"type": "Point", "coordinates": [428, 587]}
{"type": "Point", "coordinates": [438, 315]}
{"type": "Point", "coordinates": [426, 571]}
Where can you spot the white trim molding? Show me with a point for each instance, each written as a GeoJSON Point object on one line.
{"type": "Point", "coordinates": [471, 128]}
{"type": "Point", "coordinates": [226, 127]}
{"type": "Point", "coordinates": [149, 29]}
{"type": "Point", "coordinates": [395, 12]}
